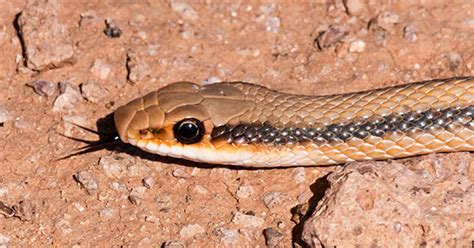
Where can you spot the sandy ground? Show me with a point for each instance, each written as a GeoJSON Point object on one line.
{"type": "Point", "coordinates": [128, 198]}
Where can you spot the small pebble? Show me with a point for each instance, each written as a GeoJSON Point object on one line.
{"type": "Point", "coordinates": [134, 200]}
{"type": "Point", "coordinates": [4, 240]}
{"type": "Point", "coordinates": [357, 46]}
{"type": "Point", "coordinates": [4, 115]}
{"type": "Point", "coordinates": [148, 182]}
{"type": "Point", "coordinates": [299, 175]}
{"type": "Point", "coordinates": [24, 210]}
{"type": "Point", "coordinates": [138, 191]}
{"type": "Point", "coordinates": [100, 69]}
{"type": "Point", "coordinates": [92, 92]}
{"type": "Point", "coordinates": [103, 196]}
{"type": "Point", "coordinates": [111, 29]}
{"type": "Point", "coordinates": [272, 199]}
{"type": "Point", "coordinates": [454, 60]}
{"type": "Point", "coordinates": [244, 191]}
{"type": "Point", "coordinates": [23, 123]}
{"type": "Point", "coordinates": [136, 169]}
{"type": "Point", "coordinates": [152, 50]}
{"type": "Point", "coordinates": [136, 195]}
{"type": "Point", "coordinates": [410, 33]}
{"type": "Point", "coordinates": [68, 97]}
{"type": "Point", "coordinates": [246, 220]}
{"type": "Point", "coordinates": [385, 20]}
{"type": "Point", "coordinates": [354, 7]}
{"type": "Point", "coordinates": [164, 203]}
{"type": "Point", "coordinates": [106, 212]}
{"type": "Point", "coordinates": [87, 18]}
{"type": "Point", "coordinates": [151, 218]}
{"type": "Point", "coordinates": [200, 189]}
{"type": "Point", "coordinates": [3, 191]}
{"type": "Point", "coordinates": [114, 166]}
{"type": "Point", "coordinates": [144, 242]}
{"type": "Point", "coordinates": [79, 206]}
{"type": "Point", "coordinates": [184, 9]}
{"type": "Point", "coordinates": [330, 37]}
{"type": "Point", "coordinates": [137, 68]}
{"type": "Point", "coordinates": [273, 24]}
{"type": "Point", "coordinates": [227, 236]}
{"type": "Point", "coordinates": [43, 87]}
{"type": "Point", "coordinates": [180, 173]}
{"type": "Point", "coordinates": [272, 237]}
{"type": "Point", "coordinates": [173, 244]}
{"type": "Point", "coordinates": [3, 34]}
{"type": "Point", "coordinates": [119, 187]}
{"type": "Point", "coordinates": [6, 211]}
{"type": "Point", "coordinates": [87, 181]}
{"type": "Point", "coordinates": [191, 230]}
{"type": "Point", "coordinates": [64, 226]}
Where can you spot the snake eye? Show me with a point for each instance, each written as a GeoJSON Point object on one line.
{"type": "Point", "coordinates": [188, 131]}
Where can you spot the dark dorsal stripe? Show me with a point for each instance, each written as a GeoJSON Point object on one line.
{"type": "Point", "coordinates": [266, 133]}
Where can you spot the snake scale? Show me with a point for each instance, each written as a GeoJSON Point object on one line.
{"type": "Point", "coordinates": [244, 124]}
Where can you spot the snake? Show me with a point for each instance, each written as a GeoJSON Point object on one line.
{"type": "Point", "coordinates": [249, 125]}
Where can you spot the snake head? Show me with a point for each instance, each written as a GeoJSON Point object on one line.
{"type": "Point", "coordinates": [178, 121]}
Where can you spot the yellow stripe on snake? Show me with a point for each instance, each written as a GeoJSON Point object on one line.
{"type": "Point", "coordinates": [244, 124]}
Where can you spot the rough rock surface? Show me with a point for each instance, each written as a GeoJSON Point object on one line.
{"type": "Point", "coordinates": [423, 202]}
{"type": "Point", "coordinates": [271, 43]}
{"type": "Point", "coordinates": [47, 42]}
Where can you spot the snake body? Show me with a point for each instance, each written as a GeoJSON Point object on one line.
{"type": "Point", "coordinates": [244, 124]}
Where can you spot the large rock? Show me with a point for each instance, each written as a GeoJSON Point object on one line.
{"type": "Point", "coordinates": [46, 42]}
{"type": "Point", "coordinates": [421, 202]}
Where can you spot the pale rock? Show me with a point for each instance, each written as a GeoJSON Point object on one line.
{"type": "Point", "coordinates": [191, 230]}
{"type": "Point", "coordinates": [246, 220]}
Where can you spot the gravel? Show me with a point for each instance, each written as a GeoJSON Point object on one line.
{"type": "Point", "coordinates": [68, 98]}
{"type": "Point", "coordinates": [272, 237]}
{"type": "Point", "coordinates": [112, 30]}
{"type": "Point", "coordinates": [191, 230]}
{"type": "Point", "coordinates": [299, 175]}
{"type": "Point", "coordinates": [93, 92]}
{"type": "Point", "coordinates": [247, 220]}
{"type": "Point", "coordinates": [4, 115]}
{"type": "Point", "coordinates": [148, 182]}
{"type": "Point", "coordinates": [357, 46]}
{"type": "Point", "coordinates": [117, 186]}
{"type": "Point", "coordinates": [245, 191]}
{"type": "Point", "coordinates": [184, 9]}
{"type": "Point", "coordinates": [43, 87]}
{"type": "Point", "coordinates": [100, 69]}
{"type": "Point", "coordinates": [227, 236]}
{"type": "Point", "coordinates": [273, 199]}
{"type": "Point", "coordinates": [173, 244]}
{"type": "Point", "coordinates": [4, 240]}
{"type": "Point", "coordinates": [106, 212]}
{"type": "Point", "coordinates": [410, 33]}
{"type": "Point", "coordinates": [113, 165]}
{"type": "Point", "coordinates": [85, 179]}
{"type": "Point", "coordinates": [137, 69]}
{"type": "Point", "coordinates": [138, 191]}
{"type": "Point", "coordinates": [330, 37]}
{"type": "Point", "coordinates": [180, 173]}
{"type": "Point", "coordinates": [354, 7]}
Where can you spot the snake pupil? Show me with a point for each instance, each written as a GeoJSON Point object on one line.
{"type": "Point", "coordinates": [188, 131]}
